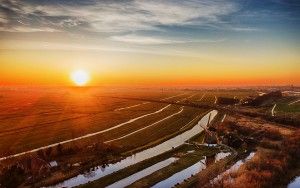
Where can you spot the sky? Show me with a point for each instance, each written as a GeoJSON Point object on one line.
{"type": "Point", "coordinates": [197, 42]}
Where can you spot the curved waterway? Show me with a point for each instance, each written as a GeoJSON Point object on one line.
{"type": "Point", "coordinates": [179, 177]}
{"type": "Point", "coordinates": [165, 146]}
{"type": "Point", "coordinates": [295, 183]}
{"type": "Point", "coordinates": [234, 167]}
{"type": "Point", "coordinates": [186, 173]}
{"type": "Point", "coordinates": [143, 173]}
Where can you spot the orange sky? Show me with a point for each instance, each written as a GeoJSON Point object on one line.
{"type": "Point", "coordinates": [205, 43]}
{"type": "Point", "coordinates": [118, 68]}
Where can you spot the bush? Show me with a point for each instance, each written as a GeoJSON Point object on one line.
{"type": "Point", "coordinates": [265, 169]}
{"type": "Point", "coordinates": [12, 177]}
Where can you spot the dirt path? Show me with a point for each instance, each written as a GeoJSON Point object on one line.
{"type": "Point", "coordinates": [272, 111]}
{"type": "Point", "coordinates": [294, 102]}
{"type": "Point", "coordinates": [202, 97]}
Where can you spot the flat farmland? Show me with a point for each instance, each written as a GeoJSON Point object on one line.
{"type": "Point", "coordinates": [161, 129]}
{"type": "Point", "coordinates": [80, 120]}
{"type": "Point", "coordinates": [209, 97]}
{"type": "Point", "coordinates": [38, 117]}
{"type": "Point", "coordinates": [105, 137]}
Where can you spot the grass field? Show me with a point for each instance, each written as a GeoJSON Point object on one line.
{"type": "Point", "coordinates": [37, 117]}
{"type": "Point", "coordinates": [88, 127]}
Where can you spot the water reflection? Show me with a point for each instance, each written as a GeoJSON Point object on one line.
{"type": "Point", "coordinates": [179, 177]}
{"type": "Point", "coordinates": [143, 173]}
{"type": "Point", "coordinates": [143, 155]}
{"type": "Point", "coordinates": [234, 167]}
{"type": "Point", "coordinates": [295, 183]}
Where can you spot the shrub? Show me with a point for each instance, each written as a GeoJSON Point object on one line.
{"type": "Point", "coordinates": [265, 169]}
{"type": "Point", "coordinates": [12, 177]}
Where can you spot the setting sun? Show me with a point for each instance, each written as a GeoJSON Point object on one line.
{"type": "Point", "coordinates": [80, 77]}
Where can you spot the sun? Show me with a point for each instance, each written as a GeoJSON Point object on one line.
{"type": "Point", "coordinates": [80, 77]}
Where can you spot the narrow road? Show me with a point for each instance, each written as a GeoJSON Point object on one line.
{"type": "Point", "coordinates": [173, 96]}
{"type": "Point", "coordinates": [180, 100]}
{"type": "Point", "coordinates": [223, 118]}
{"type": "Point", "coordinates": [272, 111]}
{"type": "Point", "coordinates": [136, 105]}
{"type": "Point", "coordinates": [128, 107]}
{"type": "Point", "coordinates": [202, 97]}
{"type": "Point", "coordinates": [294, 102]}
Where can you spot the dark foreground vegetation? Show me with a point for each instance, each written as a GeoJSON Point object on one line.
{"type": "Point", "coordinates": [272, 166]}
{"type": "Point", "coordinates": [33, 168]}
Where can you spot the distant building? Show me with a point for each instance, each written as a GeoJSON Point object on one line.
{"type": "Point", "coordinates": [53, 164]}
{"type": "Point", "coordinates": [227, 101]}
{"type": "Point", "coordinates": [262, 99]}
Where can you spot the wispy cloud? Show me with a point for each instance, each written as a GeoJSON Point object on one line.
{"type": "Point", "coordinates": [113, 16]}
{"type": "Point", "coordinates": [39, 45]}
{"type": "Point", "coordinates": [245, 29]}
{"type": "Point", "coordinates": [139, 22]}
{"type": "Point", "coordinates": [150, 40]}
{"type": "Point", "coordinates": [26, 29]}
{"type": "Point", "coordinates": [3, 18]}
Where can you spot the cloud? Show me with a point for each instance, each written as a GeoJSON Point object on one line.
{"type": "Point", "coordinates": [28, 29]}
{"type": "Point", "coordinates": [140, 39]}
{"type": "Point", "coordinates": [40, 45]}
{"type": "Point", "coordinates": [112, 16]}
{"type": "Point", "coordinates": [150, 40]}
{"type": "Point", "coordinates": [249, 29]}
{"type": "Point", "coordinates": [3, 18]}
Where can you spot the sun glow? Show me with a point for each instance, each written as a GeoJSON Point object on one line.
{"type": "Point", "coordinates": [80, 77]}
